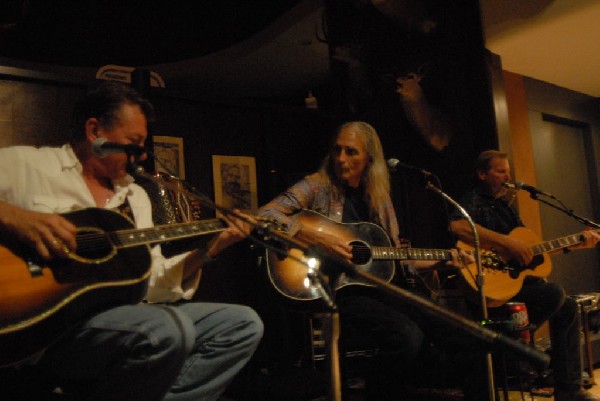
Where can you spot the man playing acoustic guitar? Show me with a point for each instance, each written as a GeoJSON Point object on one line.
{"type": "Point", "coordinates": [495, 218]}
{"type": "Point", "coordinates": [352, 188]}
{"type": "Point", "coordinates": [122, 350]}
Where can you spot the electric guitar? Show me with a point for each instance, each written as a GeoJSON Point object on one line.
{"type": "Point", "coordinates": [39, 301]}
{"type": "Point", "coordinates": [504, 280]}
{"type": "Point", "coordinates": [372, 252]}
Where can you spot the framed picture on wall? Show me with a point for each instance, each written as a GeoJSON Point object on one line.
{"type": "Point", "coordinates": [235, 182]}
{"type": "Point", "coordinates": [168, 155]}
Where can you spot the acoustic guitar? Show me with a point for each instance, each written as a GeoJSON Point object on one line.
{"type": "Point", "coordinates": [372, 252]}
{"type": "Point", "coordinates": [504, 280]}
{"type": "Point", "coordinates": [39, 301]}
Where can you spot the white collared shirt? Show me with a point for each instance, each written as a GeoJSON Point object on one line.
{"type": "Point", "coordinates": [49, 180]}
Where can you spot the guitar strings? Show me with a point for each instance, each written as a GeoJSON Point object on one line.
{"type": "Point", "coordinates": [99, 239]}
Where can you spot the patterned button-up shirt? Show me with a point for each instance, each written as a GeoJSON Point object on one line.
{"type": "Point", "coordinates": [495, 214]}
{"type": "Point", "coordinates": [315, 193]}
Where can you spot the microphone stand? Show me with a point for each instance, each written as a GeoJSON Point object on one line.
{"type": "Point", "coordinates": [331, 329]}
{"type": "Point", "coordinates": [331, 326]}
{"type": "Point", "coordinates": [480, 280]}
{"type": "Point", "coordinates": [489, 337]}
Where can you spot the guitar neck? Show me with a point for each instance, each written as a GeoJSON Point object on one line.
{"type": "Point", "coordinates": [135, 237]}
{"type": "Point", "coordinates": [391, 253]}
{"type": "Point", "coordinates": [558, 243]}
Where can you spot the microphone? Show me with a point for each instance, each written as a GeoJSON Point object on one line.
{"type": "Point", "coordinates": [102, 148]}
{"type": "Point", "coordinates": [395, 164]}
{"type": "Point", "coordinates": [521, 185]}
{"type": "Point", "coordinates": [514, 186]}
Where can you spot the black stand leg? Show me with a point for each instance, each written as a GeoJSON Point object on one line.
{"type": "Point", "coordinates": [331, 330]}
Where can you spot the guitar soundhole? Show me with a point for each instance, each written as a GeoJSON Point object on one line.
{"type": "Point", "coordinates": [361, 253]}
{"type": "Point", "coordinates": [93, 245]}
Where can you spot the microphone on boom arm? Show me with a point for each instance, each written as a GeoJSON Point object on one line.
{"type": "Point", "coordinates": [395, 164]}
{"type": "Point", "coordinates": [518, 185]}
{"type": "Point", "coordinates": [102, 148]}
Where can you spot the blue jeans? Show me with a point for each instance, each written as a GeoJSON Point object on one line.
{"type": "Point", "coordinates": [226, 336]}
{"type": "Point", "coordinates": [186, 351]}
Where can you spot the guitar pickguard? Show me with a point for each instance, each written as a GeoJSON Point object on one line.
{"type": "Point", "coordinates": [515, 269]}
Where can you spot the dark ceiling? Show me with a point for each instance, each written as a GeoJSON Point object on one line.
{"type": "Point", "coordinates": [224, 48]}
{"type": "Point", "coordinates": [90, 33]}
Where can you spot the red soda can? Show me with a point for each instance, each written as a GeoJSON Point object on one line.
{"type": "Point", "coordinates": [517, 314]}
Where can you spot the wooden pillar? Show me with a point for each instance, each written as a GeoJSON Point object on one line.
{"type": "Point", "coordinates": [521, 149]}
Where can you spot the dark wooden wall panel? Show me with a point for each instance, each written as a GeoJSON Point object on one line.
{"type": "Point", "coordinates": [34, 113]}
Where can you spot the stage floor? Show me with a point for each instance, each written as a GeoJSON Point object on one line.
{"type": "Point", "coordinates": [516, 395]}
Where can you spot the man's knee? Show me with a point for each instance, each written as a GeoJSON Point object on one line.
{"type": "Point", "coordinates": [249, 320]}
{"type": "Point", "coordinates": [171, 333]}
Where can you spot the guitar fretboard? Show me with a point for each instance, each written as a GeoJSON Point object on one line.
{"type": "Point", "coordinates": [134, 237]}
{"type": "Point", "coordinates": [557, 243]}
{"type": "Point", "coordinates": [410, 253]}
